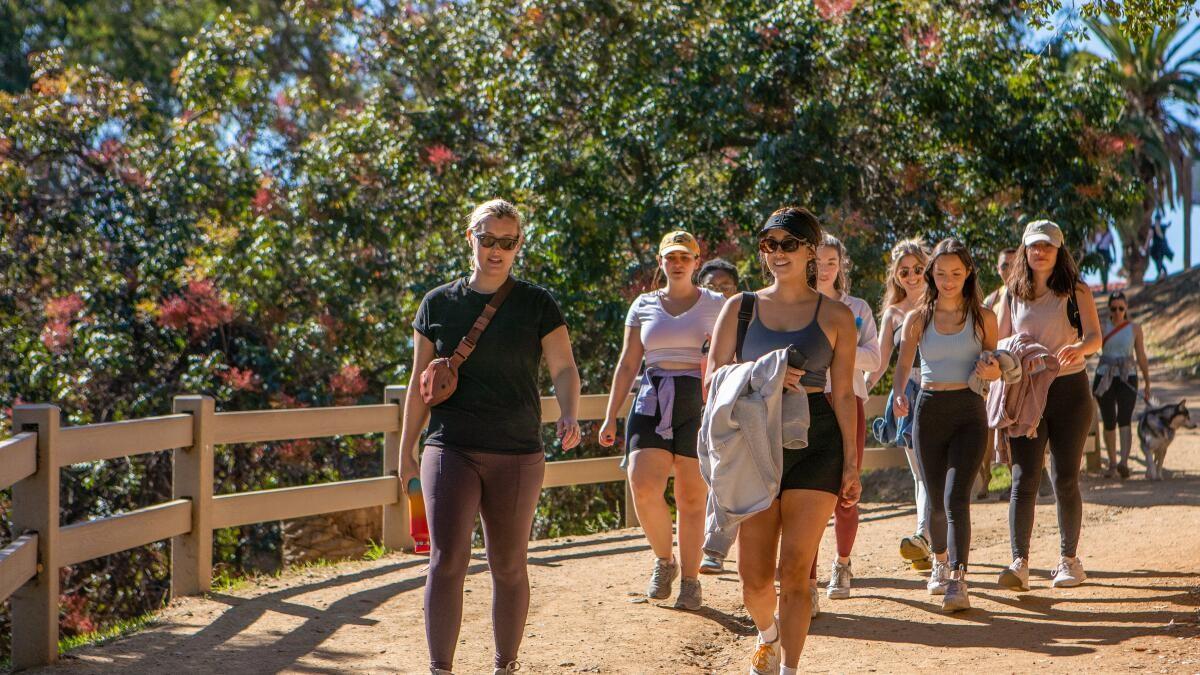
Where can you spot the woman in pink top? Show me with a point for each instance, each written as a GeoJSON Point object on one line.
{"type": "Point", "coordinates": [1046, 300]}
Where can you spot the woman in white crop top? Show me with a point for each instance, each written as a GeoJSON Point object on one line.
{"type": "Point", "coordinates": [667, 327]}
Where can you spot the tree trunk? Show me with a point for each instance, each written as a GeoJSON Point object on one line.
{"type": "Point", "coordinates": [1133, 243]}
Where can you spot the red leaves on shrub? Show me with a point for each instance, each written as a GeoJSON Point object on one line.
{"type": "Point", "coordinates": [64, 308]}
{"type": "Point", "coordinates": [73, 618]}
{"type": "Point", "coordinates": [60, 312]}
{"type": "Point", "coordinates": [348, 385]}
{"type": "Point", "coordinates": [832, 10]}
{"type": "Point", "coordinates": [241, 379]}
{"type": "Point", "coordinates": [296, 452]}
{"type": "Point", "coordinates": [198, 308]}
{"type": "Point", "coordinates": [439, 157]}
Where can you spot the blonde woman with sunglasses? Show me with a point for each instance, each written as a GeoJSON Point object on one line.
{"type": "Point", "coordinates": [905, 286]}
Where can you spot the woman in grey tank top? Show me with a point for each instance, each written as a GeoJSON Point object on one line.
{"type": "Point", "coordinates": [1038, 302]}
{"type": "Point", "coordinates": [790, 311]}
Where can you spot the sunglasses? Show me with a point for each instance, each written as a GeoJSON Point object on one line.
{"type": "Point", "coordinates": [787, 245]}
{"type": "Point", "coordinates": [904, 274]}
{"type": "Point", "coordinates": [492, 241]}
{"type": "Point", "coordinates": [1117, 308]}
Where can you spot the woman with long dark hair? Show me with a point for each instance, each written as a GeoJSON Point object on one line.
{"type": "Point", "coordinates": [791, 313]}
{"type": "Point", "coordinates": [1046, 300]}
{"type": "Point", "coordinates": [483, 451]}
{"type": "Point", "coordinates": [952, 329]}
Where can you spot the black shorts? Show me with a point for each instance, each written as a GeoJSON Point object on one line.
{"type": "Point", "coordinates": [819, 466]}
{"type": "Point", "coordinates": [685, 422]}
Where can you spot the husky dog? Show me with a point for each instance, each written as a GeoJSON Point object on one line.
{"type": "Point", "coordinates": [1156, 430]}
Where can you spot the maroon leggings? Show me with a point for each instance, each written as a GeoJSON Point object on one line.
{"type": "Point", "coordinates": [502, 488]}
{"type": "Point", "coordinates": [845, 520]}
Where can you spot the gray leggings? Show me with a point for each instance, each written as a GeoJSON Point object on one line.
{"type": "Point", "coordinates": [1064, 425]}
{"type": "Point", "coordinates": [502, 488]}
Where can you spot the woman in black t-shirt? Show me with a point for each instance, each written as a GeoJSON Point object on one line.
{"type": "Point", "coordinates": [483, 450]}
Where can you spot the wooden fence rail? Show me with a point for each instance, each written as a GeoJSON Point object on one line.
{"type": "Point", "coordinates": [31, 461]}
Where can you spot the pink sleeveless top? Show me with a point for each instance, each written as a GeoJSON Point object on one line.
{"type": "Point", "coordinates": [1046, 320]}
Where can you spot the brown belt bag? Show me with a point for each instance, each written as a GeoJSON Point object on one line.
{"type": "Point", "coordinates": [440, 377]}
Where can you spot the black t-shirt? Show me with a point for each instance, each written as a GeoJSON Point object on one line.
{"type": "Point", "coordinates": [496, 407]}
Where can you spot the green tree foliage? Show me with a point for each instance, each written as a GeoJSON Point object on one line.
{"type": "Point", "coordinates": [261, 230]}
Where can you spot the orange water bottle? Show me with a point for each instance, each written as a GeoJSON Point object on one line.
{"type": "Point", "coordinates": [418, 526]}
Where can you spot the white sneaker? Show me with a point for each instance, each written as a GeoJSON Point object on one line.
{"type": "Point", "coordinates": [839, 581]}
{"type": "Point", "coordinates": [956, 598]}
{"type": "Point", "coordinates": [1069, 573]}
{"type": "Point", "coordinates": [816, 600]}
{"type": "Point", "coordinates": [766, 658]}
{"type": "Point", "coordinates": [508, 670]}
{"type": "Point", "coordinates": [938, 576]}
{"type": "Point", "coordinates": [1016, 576]}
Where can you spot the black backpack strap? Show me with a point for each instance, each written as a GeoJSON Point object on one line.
{"type": "Point", "coordinates": [745, 313]}
{"type": "Point", "coordinates": [1073, 312]}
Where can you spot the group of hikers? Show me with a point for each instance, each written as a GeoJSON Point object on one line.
{"type": "Point", "coordinates": [754, 403]}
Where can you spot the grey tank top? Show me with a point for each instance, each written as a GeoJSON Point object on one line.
{"type": "Point", "coordinates": [810, 340]}
{"type": "Point", "coordinates": [1045, 319]}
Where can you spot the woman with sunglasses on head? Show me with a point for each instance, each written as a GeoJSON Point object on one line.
{"type": "Point", "coordinates": [1116, 384]}
{"type": "Point", "coordinates": [483, 449]}
{"type": "Point", "coordinates": [791, 313]}
{"type": "Point", "coordinates": [1046, 300]}
{"type": "Point", "coordinates": [905, 287]}
{"type": "Point", "coordinates": [667, 327]}
{"type": "Point", "coordinates": [833, 281]}
{"type": "Point", "coordinates": [952, 329]}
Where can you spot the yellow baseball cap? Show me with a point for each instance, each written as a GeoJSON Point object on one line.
{"type": "Point", "coordinates": [679, 240]}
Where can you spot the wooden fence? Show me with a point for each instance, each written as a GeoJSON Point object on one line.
{"type": "Point", "coordinates": [31, 460]}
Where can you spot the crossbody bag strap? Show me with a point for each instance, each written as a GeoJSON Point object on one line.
{"type": "Point", "coordinates": [745, 313]}
{"type": "Point", "coordinates": [1114, 331]}
{"type": "Point", "coordinates": [467, 344]}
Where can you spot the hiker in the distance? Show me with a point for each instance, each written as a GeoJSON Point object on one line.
{"type": "Point", "coordinates": [483, 451]}
{"type": "Point", "coordinates": [1046, 300]}
{"type": "Point", "coordinates": [666, 327]}
{"type": "Point", "coordinates": [1158, 248]}
{"type": "Point", "coordinates": [1116, 383]}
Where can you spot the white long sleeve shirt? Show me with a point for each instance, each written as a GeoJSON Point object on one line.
{"type": "Point", "coordinates": [866, 357]}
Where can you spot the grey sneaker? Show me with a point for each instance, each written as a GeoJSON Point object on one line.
{"type": "Point", "coordinates": [712, 565]}
{"type": "Point", "coordinates": [1016, 576]}
{"type": "Point", "coordinates": [956, 598]}
{"type": "Point", "coordinates": [1069, 573]}
{"type": "Point", "coordinates": [511, 668]}
{"type": "Point", "coordinates": [661, 578]}
{"type": "Point", "coordinates": [440, 671]}
{"type": "Point", "coordinates": [938, 578]}
{"type": "Point", "coordinates": [816, 599]}
{"type": "Point", "coordinates": [690, 595]}
{"type": "Point", "coordinates": [839, 581]}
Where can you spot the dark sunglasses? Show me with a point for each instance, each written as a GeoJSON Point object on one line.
{"type": "Point", "coordinates": [788, 245]}
{"type": "Point", "coordinates": [492, 241]}
{"type": "Point", "coordinates": [904, 274]}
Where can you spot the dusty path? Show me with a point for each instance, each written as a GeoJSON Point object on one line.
{"type": "Point", "coordinates": [1140, 611]}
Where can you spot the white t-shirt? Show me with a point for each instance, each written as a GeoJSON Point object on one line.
{"type": "Point", "coordinates": [674, 338]}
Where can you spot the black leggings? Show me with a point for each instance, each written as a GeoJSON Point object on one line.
{"type": "Point", "coordinates": [1065, 423]}
{"type": "Point", "coordinates": [1116, 405]}
{"type": "Point", "coordinates": [950, 435]}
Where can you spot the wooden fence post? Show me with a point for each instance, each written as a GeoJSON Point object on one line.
{"type": "Point", "coordinates": [395, 516]}
{"type": "Point", "coordinates": [35, 508]}
{"type": "Point", "coordinates": [191, 553]}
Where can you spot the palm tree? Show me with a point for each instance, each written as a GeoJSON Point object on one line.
{"type": "Point", "coordinates": [1158, 78]}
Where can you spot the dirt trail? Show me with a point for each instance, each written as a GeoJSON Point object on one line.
{"type": "Point", "coordinates": [1139, 611]}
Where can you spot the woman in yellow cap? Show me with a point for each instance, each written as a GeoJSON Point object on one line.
{"type": "Point", "coordinates": [667, 327]}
